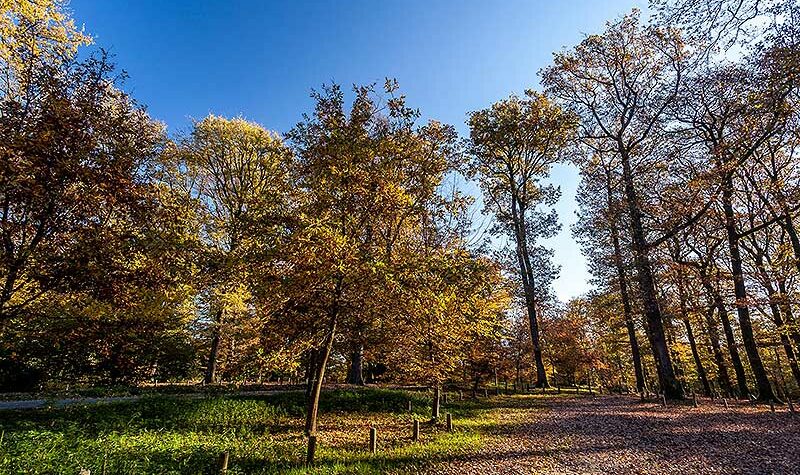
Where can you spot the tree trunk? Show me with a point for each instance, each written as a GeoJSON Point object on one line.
{"type": "Point", "coordinates": [730, 339]}
{"type": "Point", "coordinates": [655, 328]}
{"type": "Point", "coordinates": [781, 326]}
{"type": "Point", "coordinates": [713, 336]}
{"type": "Point", "coordinates": [788, 314]}
{"type": "Point", "coordinates": [626, 307]}
{"type": "Point", "coordinates": [529, 289]}
{"type": "Point", "coordinates": [765, 392]}
{"type": "Point", "coordinates": [355, 375]}
{"type": "Point", "coordinates": [213, 355]}
{"type": "Point", "coordinates": [701, 371]}
{"type": "Point", "coordinates": [435, 403]}
{"type": "Point", "coordinates": [316, 385]}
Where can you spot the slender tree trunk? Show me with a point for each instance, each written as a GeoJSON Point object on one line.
{"type": "Point", "coordinates": [435, 407]}
{"type": "Point", "coordinates": [794, 239]}
{"type": "Point", "coordinates": [655, 326]}
{"type": "Point", "coordinates": [529, 289]}
{"type": "Point", "coordinates": [213, 355]}
{"type": "Point", "coordinates": [627, 308]}
{"type": "Point", "coordinates": [765, 392]}
{"type": "Point", "coordinates": [781, 326]}
{"type": "Point", "coordinates": [701, 371]}
{"type": "Point", "coordinates": [323, 354]}
{"type": "Point", "coordinates": [730, 339]}
{"type": "Point", "coordinates": [788, 314]}
{"type": "Point", "coordinates": [713, 336]}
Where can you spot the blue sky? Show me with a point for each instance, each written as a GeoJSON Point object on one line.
{"type": "Point", "coordinates": [260, 59]}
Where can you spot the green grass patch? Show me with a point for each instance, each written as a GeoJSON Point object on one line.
{"type": "Point", "coordinates": [185, 435]}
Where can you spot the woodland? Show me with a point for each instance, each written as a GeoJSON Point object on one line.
{"type": "Point", "coordinates": [346, 253]}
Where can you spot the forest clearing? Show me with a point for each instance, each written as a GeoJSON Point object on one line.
{"type": "Point", "coordinates": [547, 433]}
{"type": "Point", "coordinates": [231, 242]}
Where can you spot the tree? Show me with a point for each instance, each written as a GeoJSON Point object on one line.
{"type": "Point", "coordinates": [367, 178]}
{"type": "Point", "coordinates": [620, 84]}
{"type": "Point", "coordinates": [235, 176]}
{"type": "Point", "coordinates": [513, 145]}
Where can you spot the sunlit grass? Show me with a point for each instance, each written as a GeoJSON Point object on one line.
{"type": "Point", "coordinates": [172, 435]}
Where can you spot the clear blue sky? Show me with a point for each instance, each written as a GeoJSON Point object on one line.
{"type": "Point", "coordinates": [260, 59]}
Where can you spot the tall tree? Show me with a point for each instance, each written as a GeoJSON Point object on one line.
{"type": "Point", "coordinates": [621, 84]}
{"type": "Point", "coordinates": [513, 145]}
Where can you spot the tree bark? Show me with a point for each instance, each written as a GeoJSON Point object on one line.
{"type": "Point", "coordinates": [213, 355]}
{"type": "Point", "coordinates": [626, 304]}
{"type": "Point", "coordinates": [666, 374]}
{"type": "Point", "coordinates": [355, 375]}
{"type": "Point", "coordinates": [437, 389]}
{"type": "Point", "coordinates": [701, 371]}
{"type": "Point", "coordinates": [765, 392]}
{"type": "Point", "coordinates": [713, 336]}
{"type": "Point", "coordinates": [529, 289]}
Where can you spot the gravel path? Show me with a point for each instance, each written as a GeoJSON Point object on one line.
{"type": "Point", "coordinates": [620, 435]}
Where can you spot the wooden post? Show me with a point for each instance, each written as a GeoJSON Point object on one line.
{"type": "Point", "coordinates": [223, 462]}
{"type": "Point", "coordinates": [449, 422]}
{"type": "Point", "coordinates": [694, 398]}
{"type": "Point", "coordinates": [415, 431]}
{"type": "Point", "coordinates": [312, 449]}
{"type": "Point", "coordinates": [460, 395]}
{"type": "Point", "coordinates": [409, 405]}
{"type": "Point", "coordinates": [772, 406]}
{"type": "Point", "coordinates": [663, 399]}
{"type": "Point", "coordinates": [444, 397]}
{"type": "Point", "coordinates": [373, 440]}
{"type": "Point", "coordinates": [485, 392]}
{"type": "Point", "coordinates": [791, 406]}
{"type": "Point", "coordinates": [641, 396]}
{"type": "Point", "coordinates": [725, 400]}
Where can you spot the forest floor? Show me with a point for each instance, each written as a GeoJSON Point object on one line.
{"type": "Point", "coordinates": [621, 435]}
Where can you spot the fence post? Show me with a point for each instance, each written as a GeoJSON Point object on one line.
{"type": "Point", "coordinates": [415, 431]}
{"type": "Point", "coordinates": [663, 399]}
{"type": "Point", "coordinates": [409, 405]}
{"type": "Point", "coordinates": [449, 422]}
{"type": "Point", "coordinates": [373, 439]}
{"type": "Point", "coordinates": [694, 398]}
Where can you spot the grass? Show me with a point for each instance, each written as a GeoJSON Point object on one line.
{"type": "Point", "coordinates": [180, 435]}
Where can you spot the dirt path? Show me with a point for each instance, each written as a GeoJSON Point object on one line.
{"type": "Point", "coordinates": [620, 435]}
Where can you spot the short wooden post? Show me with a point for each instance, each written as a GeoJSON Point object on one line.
{"type": "Point", "coordinates": [725, 401]}
{"type": "Point", "coordinates": [558, 388]}
{"type": "Point", "coordinates": [409, 405]}
{"type": "Point", "coordinates": [312, 449]}
{"type": "Point", "coordinates": [415, 431]}
{"type": "Point", "coordinates": [791, 407]}
{"type": "Point", "coordinates": [444, 398]}
{"type": "Point", "coordinates": [772, 406]}
{"type": "Point", "coordinates": [694, 398]}
{"type": "Point", "coordinates": [663, 399]}
{"type": "Point", "coordinates": [449, 422]}
{"type": "Point", "coordinates": [223, 462]}
{"type": "Point", "coordinates": [373, 440]}
{"type": "Point", "coordinates": [460, 395]}
{"type": "Point", "coordinates": [485, 392]}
